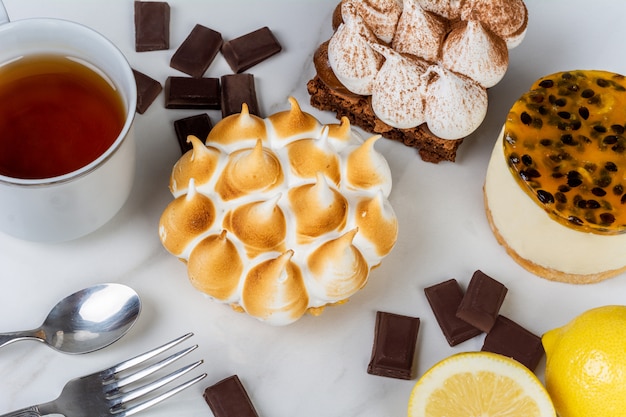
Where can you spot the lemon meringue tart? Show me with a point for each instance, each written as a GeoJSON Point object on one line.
{"type": "Point", "coordinates": [280, 216]}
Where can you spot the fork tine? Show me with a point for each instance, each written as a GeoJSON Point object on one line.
{"type": "Point", "coordinates": [125, 397]}
{"type": "Point", "coordinates": [121, 411]}
{"type": "Point", "coordinates": [149, 370]}
{"type": "Point", "coordinates": [129, 363]}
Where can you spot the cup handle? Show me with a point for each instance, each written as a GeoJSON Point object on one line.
{"type": "Point", "coordinates": [4, 16]}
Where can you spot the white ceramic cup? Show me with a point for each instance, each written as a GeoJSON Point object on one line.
{"type": "Point", "coordinates": [71, 205]}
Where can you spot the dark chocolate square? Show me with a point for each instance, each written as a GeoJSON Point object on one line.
{"type": "Point", "coordinates": [250, 49]}
{"type": "Point", "coordinates": [393, 352]}
{"type": "Point", "coordinates": [192, 93]}
{"type": "Point", "coordinates": [147, 90]}
{"type": "Point", "coordinates": [482, 301]}
{"type": "Point", "coordinates": [510, 339]}
{"type": "Point", "coordinates": [228, 398]}
{"type": "Point", "coordinates": [196, 53]}
{"type": "Point", "coordinates": [238, 89]}
{"type": "Point", "coordinates": [444, 299]}
{"type": "Point", "coordinates": [152, 26]}
{"type": "Point", "coordinates": [198, 125]}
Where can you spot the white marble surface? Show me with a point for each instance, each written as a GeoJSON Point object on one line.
{"type": "Point", "coordinates": [317, 366]}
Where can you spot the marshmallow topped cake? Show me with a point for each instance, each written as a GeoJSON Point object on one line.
{"type": "Point", "coordinates": [416, 71]}
{"type": "Point", "coordinates": [555, 190]}
{"type": "Point", "coordinates": [280, 216]}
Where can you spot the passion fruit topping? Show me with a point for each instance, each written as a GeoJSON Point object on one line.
{"type": "Point", "coordinates": [565, 144]}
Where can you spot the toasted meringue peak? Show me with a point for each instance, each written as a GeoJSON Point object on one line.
{"type": "Point", "coordinates": [349, 53]}
{"type": "Point", "coordinates": [381, 16]}
{"type": "Point", "coordinates": [450, 9]}
{"type": "Point", "coordinates": [260, 225]}
{"type": "Point", "coordinates": [184, 219]}
{"type": "Point", "coordinates": [340, 134]}
{"type": "Point", "coordinates": [419, 32]}
{"type": "Point", "coordinates": [198, 163]}
{"type": "Point", "coordinates": [274, 291]}
{"type": "Point", "coordinates": [472, 50]}
{"type": "Point", "coordinates": [294, 123]}
{"type": "Point", "coordinates": [377, 222]}
{"type": "Point", "coordinates": [399, 77]}
{"type": "Point", "coordinates": [286, 195]}
{"type": "Point", "coordinates": [239, 127]}
{"type": "Point", "coordinates": [338, 268]}
{"type": "Point", "coordinates": [456, 106]}
{"type": "Point", "coordinates": [249, 170]}
{"type": "Point", "coordinates": [308, 157]}
{"type": "Point", "coordinates": [506, 18]}
{"type": "Point", "coordinates": [215, 267]}
{"type": "Point", "coordinates": [367, 169]}
{"type": "Point", "coordinates": [318, 209]}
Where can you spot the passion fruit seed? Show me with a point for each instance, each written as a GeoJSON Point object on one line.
{"type": "Point", "coordinates": [583, 112]}
{"type": "Point", "coordinates": [587, 93]}
{"type": "Point", "coordinates": [568, 133]}
{"type": "Point", "coordinates": [546, 84]}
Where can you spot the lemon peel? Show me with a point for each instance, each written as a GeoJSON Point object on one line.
{"type": "Point", "coordinates": [586, 364]}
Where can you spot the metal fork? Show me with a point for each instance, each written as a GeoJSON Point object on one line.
{"type": "Point", "coordinates": [113, 391]}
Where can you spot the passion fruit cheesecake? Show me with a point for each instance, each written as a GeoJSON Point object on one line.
{"type": "Point", "coordinates": [280, 216]}
{"type": "Point", "coordinates": [555, 189]}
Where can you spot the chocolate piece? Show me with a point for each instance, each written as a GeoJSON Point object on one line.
{"type": "Point", "coordinates": [510, 339]}
{"type": "Point", "coordinates": [192, 93]}
{"type": "Point", "coordinates": [197, 51]}
{"type": "Point", "coordinates": [248, 50]}
{"type": "Point", "coordinates": [228, 398]}
{"type": "Point", "coordinates": [393, 352]}
{"type": "Point", "coordinates": [152, 26]}
{"type": "Point", "coordinates": [147, 90]}
{"type": "Point", "coordinates": [236, 90]}
{"type": "Point", "coordinates": [199, 126]}
{"type": "Point", "coordinates": [482, 301]}
{"type": "Point", "coordinates": [444, 299]}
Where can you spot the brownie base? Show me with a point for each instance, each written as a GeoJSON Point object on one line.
{"type": "Point", "coordinates": [359, 111]}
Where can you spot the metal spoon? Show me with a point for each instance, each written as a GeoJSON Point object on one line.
{"type": "Point", "coordinates": [85, 321]}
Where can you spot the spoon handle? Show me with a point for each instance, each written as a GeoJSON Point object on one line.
{"type": "Point", "coordinates": [6, 338]}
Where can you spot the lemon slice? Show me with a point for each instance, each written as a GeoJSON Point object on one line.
{"type": "Point", "coordinates": [479, 384]}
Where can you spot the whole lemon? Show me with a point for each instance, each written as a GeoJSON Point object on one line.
{"type": "Point", "coordinates": [586, 364]}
